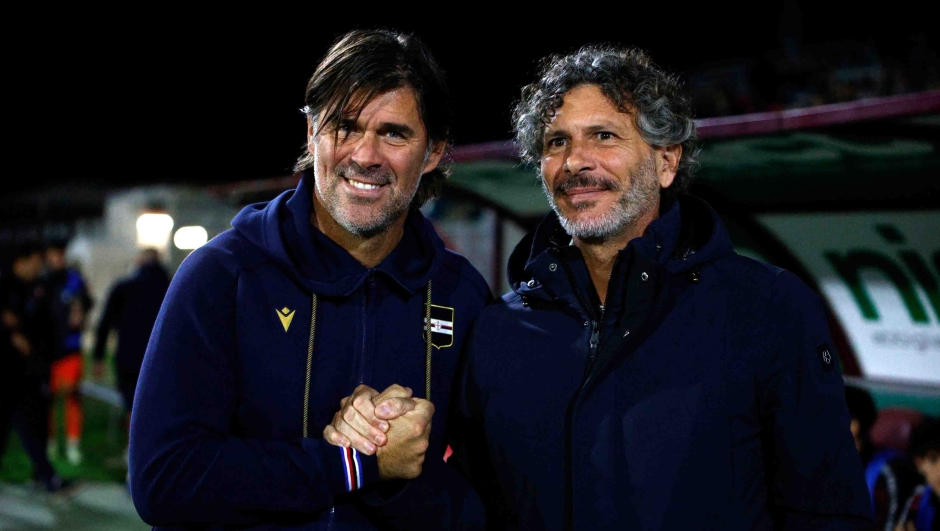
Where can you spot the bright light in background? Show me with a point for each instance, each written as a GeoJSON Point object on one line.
{"type": "Point", "coordinates": [153, 230]}
{"type": "Point", "coordinates": [190, 237]}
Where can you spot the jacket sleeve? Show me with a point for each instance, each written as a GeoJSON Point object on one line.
{"type": "Point", "coordinates": [187, 463]}
{"type": "Point", "coordinates": [815, 475]}
{"type": "Point", "coordinates": [440, 498]}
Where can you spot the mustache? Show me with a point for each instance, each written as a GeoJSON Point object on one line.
{"type": "Point", "coordinates": [586, 180]}
{"type": "Point", "coordinates": [353, 170]}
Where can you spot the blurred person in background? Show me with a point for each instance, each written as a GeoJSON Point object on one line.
{"type": "Point", "coordinates": [337, 286]}
{"type": "Point", "coordinates": [26, 342]}
{"type": "Point", "coordinates": [889, 473]}
{"type": "Point", "coordinates": [920, 510]}
{"type": "Point", "coordinates": [70, 301]}
{"type": "Point", "coordinates": [130, 311]}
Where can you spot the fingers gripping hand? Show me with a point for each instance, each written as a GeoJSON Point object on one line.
{"type": "Point", "coordinates": [403, 455]}
{"type": "Point", "coordinates": [392, 403]}
{"type": "Point", "coordinates": [356, 425]}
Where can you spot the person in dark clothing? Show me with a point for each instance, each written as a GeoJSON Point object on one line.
{"type": "Point", "coordinates": [26, 342]}
{"type": "Point", "coordinates": [641, 374]}
{"type": "Point", "coordinates": [70, 300]}
{"type": "Point", "coordinates": [130, 311]}
{"type": "Point", "coordinates": [862, 416]}
{"type": "Point", "coordinates": [919, 512]}
{"type": "Point", "coordinates": [890, 474]}
{"type": "Point", "coordinates": [334, 285]}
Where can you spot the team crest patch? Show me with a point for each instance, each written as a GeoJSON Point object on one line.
{"type": "Point", "coordinates": [442, 326]}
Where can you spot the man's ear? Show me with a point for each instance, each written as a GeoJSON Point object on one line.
{"type": "Point", "coordinates": [667, 163]}
{"type": "Point", "coordinates": [434, 156]}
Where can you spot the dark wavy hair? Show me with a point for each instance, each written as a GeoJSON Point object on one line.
{"type": "Point", "coordinates": [632, 82]}
{"type": "Point", "coordinates": [363, 64]}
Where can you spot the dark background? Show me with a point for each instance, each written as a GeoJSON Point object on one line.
{"type": "Point", "coordinates": [168, 95]}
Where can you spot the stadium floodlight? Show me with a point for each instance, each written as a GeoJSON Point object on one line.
{"type": "Point", "coordinates": [153, 230]}
{"type": "Point", "coordinates": [190, 237]}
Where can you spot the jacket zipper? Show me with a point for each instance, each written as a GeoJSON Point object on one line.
{"type": "Point", "coordinates": [370, 284]}
{"type": "Point", "coordinates": [597, 324]}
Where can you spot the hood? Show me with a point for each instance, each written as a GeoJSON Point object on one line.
{"type": "Point", "coordinates": [281, 229]}
{"type": "Point", "coordinates": [685, 237]}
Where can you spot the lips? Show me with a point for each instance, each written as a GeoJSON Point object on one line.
{"type": "Point", "coordinates": [580, 190]}
{"type": "Point", "coordinates": [583, 184]}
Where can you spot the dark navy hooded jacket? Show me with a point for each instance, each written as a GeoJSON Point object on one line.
{"type": "Point", "coordinates": [706, 396]}
{"type": "Point", "coordinates": [242, 374]}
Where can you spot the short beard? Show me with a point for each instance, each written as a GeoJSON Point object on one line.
{"type": "Point", "coordinates": [641, 196]}
{"type": "Point", "coordinates": [390, 212]}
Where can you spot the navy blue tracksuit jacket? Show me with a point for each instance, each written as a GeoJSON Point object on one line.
{"type": "Point", "coordinates": [263, 331]}
{"type": "Point", "coordinates": [705, 395]}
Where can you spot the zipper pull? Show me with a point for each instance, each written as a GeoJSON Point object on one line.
{"type": "Point", "coordinates": [595, 339]}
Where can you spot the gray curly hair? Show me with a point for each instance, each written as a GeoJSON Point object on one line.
{"type": "Point", "coordinates": [632, 81]}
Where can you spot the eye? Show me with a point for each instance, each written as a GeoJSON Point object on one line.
{"type": "Point", "coordinates": [605, 135]}
{"type": "Point", "coordinates": [555, 142]}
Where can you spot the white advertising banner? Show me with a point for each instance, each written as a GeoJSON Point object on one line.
{"type": "Point", "coordinates": [879, 272]}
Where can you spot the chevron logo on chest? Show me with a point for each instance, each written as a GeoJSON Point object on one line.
{"type": "Point", "coordinates": [286, 317]}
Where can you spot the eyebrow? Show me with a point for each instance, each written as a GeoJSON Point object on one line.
{"type": "Point", "coordinates": [594, 128]}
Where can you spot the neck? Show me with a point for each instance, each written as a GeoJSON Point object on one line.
{"type": "Point", "coordinates": [367, 250]}
{"type": "Point", "coordinates": [600, 255]}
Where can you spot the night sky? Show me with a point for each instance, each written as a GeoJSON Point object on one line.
{"type": "Point", "coordinates": [161, 95]}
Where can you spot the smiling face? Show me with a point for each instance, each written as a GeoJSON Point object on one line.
{"type": "Point", "coordinates": [368, 167]}
{"type": "Point", "coordinates": [599, 174]}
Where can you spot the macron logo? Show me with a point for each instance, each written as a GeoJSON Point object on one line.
{"type": "Point", "coordinates": [286, 317]}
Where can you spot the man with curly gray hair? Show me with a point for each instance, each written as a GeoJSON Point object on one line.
{"type": "Point", "coordinates": [641, 374]}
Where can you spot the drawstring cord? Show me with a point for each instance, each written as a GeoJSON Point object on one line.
{"type": "Point", "coordinates": [313, 330]}
{"type": "Point", "coordinates": [427, 340]}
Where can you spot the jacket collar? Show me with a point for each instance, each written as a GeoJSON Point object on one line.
{"type": "Point", "coordinates": [283, 230]}
{"type": "Point", "coordinates": [687, 234]}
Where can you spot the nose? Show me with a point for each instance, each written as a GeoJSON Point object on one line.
{"type": "Point", "coordinates": [367, 152]}
{"type": "Point", "coordinates": [578, 159]}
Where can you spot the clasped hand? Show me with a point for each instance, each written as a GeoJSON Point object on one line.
{"type": "Point", "coordinates": [392, 424]}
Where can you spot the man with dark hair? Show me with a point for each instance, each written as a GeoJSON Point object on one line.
{"type": "Point", "coordinates": [641, 374]}
{"type": "Point", "coordinates": [70, 301]}
{"type": "Point", "coordinates": [26, 343]}
{"type": "Point", "coordinates": [337, 284]}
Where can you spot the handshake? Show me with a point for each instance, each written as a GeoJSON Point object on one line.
{"type": "Point", "coordinates": [392, 425]}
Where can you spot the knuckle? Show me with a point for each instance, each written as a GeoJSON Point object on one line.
{"type": "Point", "coordinates": [348, 415]}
